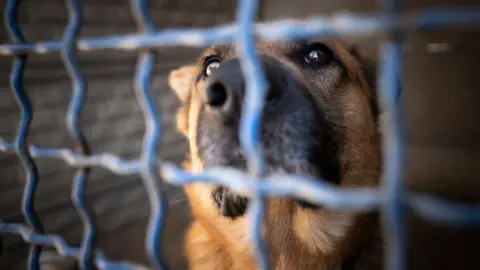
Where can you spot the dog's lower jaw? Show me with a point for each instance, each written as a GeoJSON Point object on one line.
{"type": "Point", "coordinates": [233, 206]}
{"type": "Point", "coordinates": [229, 204]}
{"type": "Point", "coordinates": [306, 205]}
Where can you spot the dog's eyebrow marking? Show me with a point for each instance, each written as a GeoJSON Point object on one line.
{"type": "Point", "coordinates": [222, 50]}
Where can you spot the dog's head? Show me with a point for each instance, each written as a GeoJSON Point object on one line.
{"type": "Point", "coordinates": [319, 116]}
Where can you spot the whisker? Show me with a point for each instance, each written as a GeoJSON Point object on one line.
{"type": "Point", "coordinates": [177, 201]}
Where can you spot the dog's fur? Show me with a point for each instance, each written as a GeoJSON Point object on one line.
{"type": "Point", "coordinates": [322, 123]}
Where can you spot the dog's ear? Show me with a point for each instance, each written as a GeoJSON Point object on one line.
{"type": "Point", "coordinates": [361, 61]}
{"type": "Point", "coordinates": [366, 53]}
{"type": "Point", "coordinates": [358, 61]}
{"type": "Point", "coordinates": [180, 80]}
{"type": "Point", "coordinates": [360, 56]}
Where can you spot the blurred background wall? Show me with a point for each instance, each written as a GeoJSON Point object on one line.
{"type": "Point", "coordinates": [441, 96]}
{"type": "Point", "coordinates": [112, 122]}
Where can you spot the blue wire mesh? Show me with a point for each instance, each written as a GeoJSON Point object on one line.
{"type": "Point", "coordinates": [392, 198]}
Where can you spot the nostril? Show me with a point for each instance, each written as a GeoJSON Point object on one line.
{"type": "Point", "coordinates": [216, 95]}
{"type": "Point", "coordinates": [271, 94]}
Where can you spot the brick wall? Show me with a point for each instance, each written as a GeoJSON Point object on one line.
{"type": "Point", "coordinates": [112, 121]}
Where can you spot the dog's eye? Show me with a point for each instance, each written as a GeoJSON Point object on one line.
{"type": "Point", "coordinates": [318, 55]}
{"type": "Point", "coordinates": [210, 66]}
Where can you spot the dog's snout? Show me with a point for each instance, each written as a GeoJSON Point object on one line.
{"type": "Point", "coordinates": [224, 91]}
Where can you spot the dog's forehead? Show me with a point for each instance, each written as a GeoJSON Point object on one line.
{"type": "Point", "coordinates": [276, 47]}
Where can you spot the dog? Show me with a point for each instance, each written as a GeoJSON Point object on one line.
{"type": "Point", "coordinates": [320, 119]}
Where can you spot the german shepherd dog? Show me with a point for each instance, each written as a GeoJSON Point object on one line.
{"type": "Point", "coordinates": [319, 120]}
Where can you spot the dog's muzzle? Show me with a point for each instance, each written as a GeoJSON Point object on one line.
{"type": "Point", "coordinates": [223, 97]}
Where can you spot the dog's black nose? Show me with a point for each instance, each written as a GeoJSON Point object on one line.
{"type": "Point", "coordinates": [224, 91]}
{"type": "Point", "coordinates": [216, 95]}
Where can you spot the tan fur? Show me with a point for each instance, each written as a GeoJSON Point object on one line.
{"type": "Point", "coordinates": [298, 238]}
